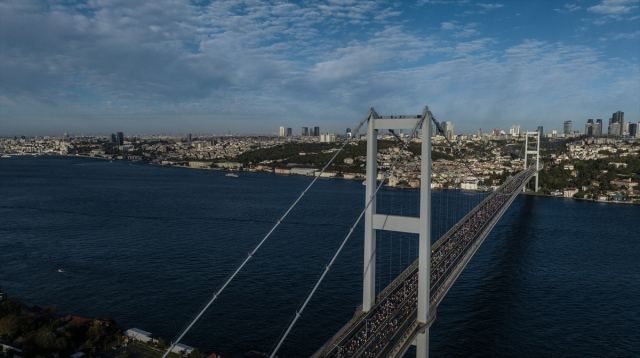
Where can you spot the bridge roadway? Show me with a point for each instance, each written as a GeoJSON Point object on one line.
{"type": "Point", "coordinates": [390, 327]}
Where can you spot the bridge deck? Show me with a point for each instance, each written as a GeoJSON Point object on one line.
{"type": "Point", "coordinates": [389, 328]}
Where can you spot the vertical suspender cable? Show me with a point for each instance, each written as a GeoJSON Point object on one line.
{"type": "Point", "coordinates": [216, 294]}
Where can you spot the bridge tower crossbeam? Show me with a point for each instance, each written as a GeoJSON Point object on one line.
{"type": "Point", "coordinates": [417, 225]}
{"type": "Point", "coordinates": [533, 152]}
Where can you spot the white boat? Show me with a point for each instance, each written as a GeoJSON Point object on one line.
{"type": "Point", "coordinates": [60, 270]}
{"type": "Point", "coordinates": [364, 183]}
{"type": "Point", "coordinates": [6, 156]}
{"type": "Point", "coordinates": [232, 175]}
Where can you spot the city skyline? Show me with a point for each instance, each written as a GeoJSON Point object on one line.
{"type": "Point", "coordinates": [153, 67]}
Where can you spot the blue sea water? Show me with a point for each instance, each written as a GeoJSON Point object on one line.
{"type": "Point", "coordinates": [148, 245]}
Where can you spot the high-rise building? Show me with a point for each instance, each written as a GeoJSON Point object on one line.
{"type": "Point", "coordinates": [540, 131]}
{"type": "Point", "coordinates": [65, 137]}
{"type": "Point", "coordinates": [189, 138]}
{"type": "Point", "coordinates": [633, 130]}
{"type": "Point", "coordinates": [316, 131]}
{"type": "Point", "coordinates": [305, 131]}
{"type": "Point", "coordinates": [282, 132]}
{"type": "Point", "coordinates": [447, 128]}
{"type": "Point", "coordinates": [119, 138]}
{"type": "Point", "coordinates": [480, 132]}
{"type": "Point", "coordinates": [496, 131]}
{"type": "Point", "coordinates": [614, 127]}
{"type": "Point", "coordinates": [567, 127]}
{"type": "Point", "coordinates": [348, 132]}
{"type": "Point", "coordinates": [112, 138]}
{"type": "Point", "coordinates": [289, 132]}
{"type": "Point", "coordinates": [618, 117]}
{"type": "Point", "coordinates": [625, 127]}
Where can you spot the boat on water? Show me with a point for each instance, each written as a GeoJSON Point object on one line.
{"type": "Point", "coordinates": [60, 270]}
{"type": "Point", "coordinates": [6, 156]}
{"type": "Point", "coordinates": [232, 175]}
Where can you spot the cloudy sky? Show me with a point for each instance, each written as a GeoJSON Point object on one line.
{"type": "Point", "coordinates": [247, 66]}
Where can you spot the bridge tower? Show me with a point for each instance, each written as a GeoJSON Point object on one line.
{"type": "Point", "coordinates": [416, 225]}
{"type": "Point", "coordinates": [536, 152]}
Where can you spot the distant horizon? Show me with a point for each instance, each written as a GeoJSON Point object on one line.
{"type": "Point", "coordinates": [250, 67]}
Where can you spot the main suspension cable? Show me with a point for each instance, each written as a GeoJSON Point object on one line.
{"type": "Point", "coordinates": [335, 256]}
{"type": "Point", "coordinates": [216, 294]}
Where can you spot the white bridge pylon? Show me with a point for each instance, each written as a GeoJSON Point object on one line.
{"type": "Point", "coordinates": [417, 225]}
{"type": "Point", "coordinates": [533, 152]}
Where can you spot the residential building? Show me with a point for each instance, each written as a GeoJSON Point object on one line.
{"type": "Point", "coordinates": [570, 192]}
{"type": "Point", "coordinates": [200, 165]}
{"type": "Point", "coordinates": [139, 334]}
{"type": "Point", "coordinates": [496, 131]}
{"type": "Point", "coordinates": [624, 182]}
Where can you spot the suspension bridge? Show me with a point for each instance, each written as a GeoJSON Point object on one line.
{"type": "Point", "coordinates": [388, 322]}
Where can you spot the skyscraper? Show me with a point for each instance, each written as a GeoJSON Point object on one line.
{"type": "Point", "coordinates": [289, 132]}
{"type": "Point", "coordinates": [618, 117]}
{"type": "Point", "coordinates": [189, 137]}
{"type": "Point", "coordinates": [348, 132]}
{"type": "Point", "coordinates": [480, 132]}
{"type": "Point", "coordinates": [112, 138]}
{"type": "Point", "coordinates": [567, 127]}
{"type": "Point", "coordinates": [496, 131]}
{"type": "Point", "coordinates": [282, 132]}
{"type": "Point", "coordinates": [305, 131]}
{"type": "Point", "coordinates": [633, 130]}
{"type": "Point", "coordinates": [540, 131]}
{"type": "Point", "coordinates": [447, 128]}
{"type": "Point", "coordinates": [614, 127]}
{"type": "Point", "coordinates": [119, 138]}
{"type": "Point", "coordinates": [316, 131]}
{"type": "Point", "coordinates": [65, 137]}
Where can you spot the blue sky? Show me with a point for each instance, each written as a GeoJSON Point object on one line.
{"type": "Point", "coordinates": [249, 66]}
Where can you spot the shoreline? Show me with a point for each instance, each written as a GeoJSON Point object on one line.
{"type": "Point", "coordinates": [356, 179]}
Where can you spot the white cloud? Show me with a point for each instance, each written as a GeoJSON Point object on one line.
{"type": "Point", "coordinates": [449, 25]}
{"type": "Point", "coordinates": [491, 6]}
{"type": "Point", "coordinates": [614, 7]}
{"type": "Point", "coordinates": [627, 36]}
{"type": "Point", "coordinates": [568, 8]}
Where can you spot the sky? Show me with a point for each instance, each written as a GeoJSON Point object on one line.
{"type": "Point", "coordinates": [249, 67]}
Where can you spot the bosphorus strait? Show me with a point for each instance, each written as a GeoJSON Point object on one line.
{"type": "Point", "coordinates": [148, 245]}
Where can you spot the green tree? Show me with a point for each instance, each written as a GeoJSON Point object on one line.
{"type": "Point", "coordinates": [9, 325]}
{"type": "Point", "coordinates": [195, 353]}
{"type": "Point", "coordinates": [51, 311]}
{"type": "Point", "coordinates": [96, 332]}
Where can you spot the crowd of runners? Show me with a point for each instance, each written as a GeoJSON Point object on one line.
{"type": "Point", "coordinates": [447, 254]}
{"type": "Point", "coordinates": [382, 323]}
